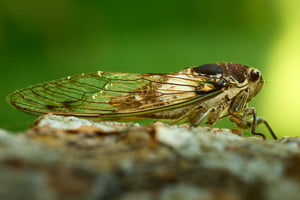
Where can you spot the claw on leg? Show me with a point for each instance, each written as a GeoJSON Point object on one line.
{"type": "Point", "coordinates": [240, 119]}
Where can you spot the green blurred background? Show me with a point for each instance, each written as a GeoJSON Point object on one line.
{"type": "Point", "coordinates": [50, 39]}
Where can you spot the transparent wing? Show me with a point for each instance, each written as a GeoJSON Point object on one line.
{"type": "Point", "coordinates": [109, 93]}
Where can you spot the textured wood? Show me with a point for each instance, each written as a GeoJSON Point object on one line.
{"type": "Point", "coordinates": [71, 158]}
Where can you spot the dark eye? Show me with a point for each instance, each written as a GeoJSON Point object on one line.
{"type": "Point", "coordinates": [209, 69]}
{"type": "Point", "coordinates": [254, 75]}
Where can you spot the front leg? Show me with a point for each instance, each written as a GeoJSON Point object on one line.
{"type": "Point", "coordinates": [239, 118]}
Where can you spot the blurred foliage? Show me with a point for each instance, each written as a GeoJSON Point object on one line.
{"type": "Point", "coordinates": [282, 98]}
{"type": "Point", "coordinates": [50, 39]}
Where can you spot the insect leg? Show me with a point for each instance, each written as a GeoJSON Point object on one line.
{"type": "Point", "coordinates": [204, 116]}
{"type": "Point", "coordinates": [261, 120]}
{"type": "Point", "coordinates": [239, 119]}
{"type": "Point", "coordinates": [185, 115]}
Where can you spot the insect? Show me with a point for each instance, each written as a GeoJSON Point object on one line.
{"type": "Point", "coordinates": [206, 92]}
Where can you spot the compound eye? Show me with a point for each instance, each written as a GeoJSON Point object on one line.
{"type": "Point", "coordinates": [209, 69]}
{"type": "Point", "coordinates": [254, 74]}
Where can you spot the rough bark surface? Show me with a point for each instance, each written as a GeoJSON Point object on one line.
{"type": "Point", "coordinates": [70, 158]}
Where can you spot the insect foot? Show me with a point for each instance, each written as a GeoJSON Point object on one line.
{"type": "Point", "coordinates": [239, 119]}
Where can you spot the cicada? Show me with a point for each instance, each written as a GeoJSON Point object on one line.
{"type": "Point", "coordinates": [204, 93]}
